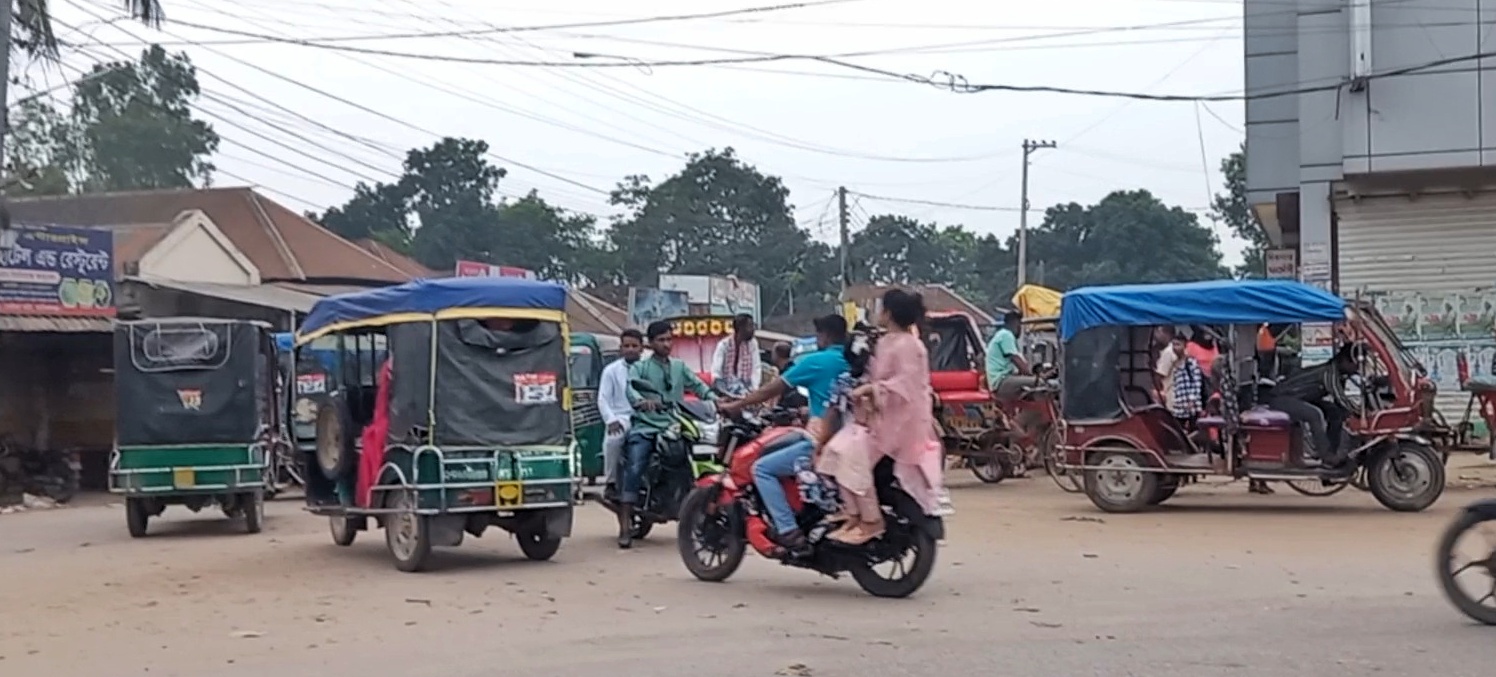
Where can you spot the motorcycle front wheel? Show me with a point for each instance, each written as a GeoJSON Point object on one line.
{"type": "Point", "coordinates": [711, 542]}
{"type": "Point", "coordinates": [1479, 606]}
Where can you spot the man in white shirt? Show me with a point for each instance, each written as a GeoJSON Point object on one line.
{"type": "Point", "coordinates": [736, 363]}
{"type": "Point", "coordinates": [613, 403]}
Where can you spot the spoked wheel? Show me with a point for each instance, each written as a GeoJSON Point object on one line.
{"type": "Point", "coordinates": [1070, 482]}
{"type": "Point", "coordinates": [710, 545]}
{"type": "Point", "coordinates": [1123, 485]}
{"type": "Point", "coordinates": [1407, 478]}
{"type": "Point", "coordinates": [1469, 579]}
{"type": "Point", "coordinates": [1317, 488]}
{"type": "Point", "coordinates": [989, 469]}
{"type": "Point", "coordinates": [908, 567]}
{"type": "Point", "coordinates": [407, 534]}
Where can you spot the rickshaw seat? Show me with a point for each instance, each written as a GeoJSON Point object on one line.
{"type": "Point", "coordinates": [965, 397]}
{"type": "Point", "coordinates": [1257, 417]}
{"type": "Point", "coordinates": [955, 382]}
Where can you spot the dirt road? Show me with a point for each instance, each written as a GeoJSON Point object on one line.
{"type": "Point", "coordinates": [1031, 582]}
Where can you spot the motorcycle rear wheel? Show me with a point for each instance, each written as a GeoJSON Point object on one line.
{"type": "Point", "coordinates": [1444, 560]}
{"type": "Point", "coordinates": [914, 576]}
{"type": "Point", "coordinates": [694, 518]}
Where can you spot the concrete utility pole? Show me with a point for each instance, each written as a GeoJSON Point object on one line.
{"type": "Point", "coordinates": [7, 236]}
{"type": "Point", "coordinates": [1029, 147]}
{"type": "Point", "coordinates": [844, 218]}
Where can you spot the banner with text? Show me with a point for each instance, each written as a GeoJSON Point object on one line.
{"type": "Point", "coordinates": [57, 270]}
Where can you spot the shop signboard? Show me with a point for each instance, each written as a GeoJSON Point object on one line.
{"type": "Point", "coordinates": [58, 270]}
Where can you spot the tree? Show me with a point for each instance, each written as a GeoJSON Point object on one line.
{"type": "Point", "coordinates": [134, 127]}
{"type": "Point", "coordinates": [377, 212]}
{"type": "Point", "coordinates": [539, 236]}
{"type": "Point", "coordinates": [1232, 209]}
{"type": "Point", "coordinates": [31, 24]}
{"type": "Point", "coordinates": [717, 216]}
{"type": "Point", "coordinates": [38, 149]}
{"type": "Point", "coordinates": [1127, 237]}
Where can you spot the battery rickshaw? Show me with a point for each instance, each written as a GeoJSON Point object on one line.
{"type": "Point", "coordinates": [198, 419]}
{"type": "Point", "coordinates": [1134, 453]}
{"type": "Point", "coordinates": [467, 424]}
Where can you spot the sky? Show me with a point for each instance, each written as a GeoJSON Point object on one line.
{"type": "Point", "coordinates": [305, 124]}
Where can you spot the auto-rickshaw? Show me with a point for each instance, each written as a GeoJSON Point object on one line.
{"type": "Point", "coordinates": [589, 354]}
{"type": "Point", "coordinates": [467, 423]}
{"type": "Point", "coordinates": [198, 417]}
{"type": "Point", "coordinates": [1135, 454]}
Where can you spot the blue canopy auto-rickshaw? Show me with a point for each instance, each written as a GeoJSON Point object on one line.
{"type": "Point", "coordinates": [1135, 453]}
{"type": "Point", "coordinates": [451, 413]}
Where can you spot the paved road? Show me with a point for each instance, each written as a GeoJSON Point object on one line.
{"type": "Point", "coordinates": [1031, 582]}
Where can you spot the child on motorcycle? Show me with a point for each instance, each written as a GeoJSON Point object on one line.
{"type": "Point", "coordinates": [847, 456]}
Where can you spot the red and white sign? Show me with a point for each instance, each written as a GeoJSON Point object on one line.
{"type": "Point", "coordinates": [480, 269]}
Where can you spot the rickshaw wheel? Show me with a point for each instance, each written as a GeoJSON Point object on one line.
{"type": "Point", "coordinates": [1407, 478]}
{"type": "Point", "coordinates": [537, 547]}
{"type": "Point", "coordinates": [343, 533]}
{"type": "Point", "coordinates": [334, 452]}
{"type": "Point", "coordinates": [1444, 556]}
{"type": "Point", "coordinates": [407, 534]}
{"type": "Point", "coordinates": [989, 469]}
{"type": "Point", "coordinates": [254, 511]}
{"type": "Point", "coordinates": [1168, 485]}
{"type": "Point", "coordinates": [1071, 483]}
{"type": "Point", "coordinates": [1123, 486]}
{"type": "Point", "coordinates": [137, 517]}
{"type": "Point", "coordinates": [1317, 488]}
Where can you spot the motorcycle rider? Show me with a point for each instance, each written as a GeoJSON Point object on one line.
{"type": "Point", "coordinates": [671, 377]}
{"type": "Point", "coordinates": [736, 364]}
{"type": "Point", "coordinates": [817, 373]}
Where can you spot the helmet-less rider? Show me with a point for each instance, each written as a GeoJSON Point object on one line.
{"type": "Point", "coordinates": [817, 373]}
{"type": "Point", "coordinates": [671, 377]}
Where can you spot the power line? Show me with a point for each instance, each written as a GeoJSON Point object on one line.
{"type": "Point", "coordinates": [936, 203]}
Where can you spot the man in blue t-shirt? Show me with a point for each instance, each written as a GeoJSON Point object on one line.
{"type": "Point", "coordinates": [1007, 371]}
{"type": "Point", "coordinates": [816, 372]}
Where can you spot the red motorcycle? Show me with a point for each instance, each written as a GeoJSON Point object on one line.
{"type": "Point", "coordinates": [724, 514]}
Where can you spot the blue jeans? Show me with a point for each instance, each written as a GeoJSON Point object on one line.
{"type": "Point", "coordinates": [768, 470]}
{"type": "Point", "coordinates": [637, 446]}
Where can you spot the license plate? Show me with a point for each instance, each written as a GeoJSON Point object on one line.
{"type": "Point", "coordinates": [508, 494]}
{"type": "Point", "coordinates": [183, 478]}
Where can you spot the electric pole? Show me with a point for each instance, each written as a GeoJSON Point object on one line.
{"type": "Point", "coordinates": [844, 218]}
{"type": "Point", "coordinates": [7, 237]}
{"type": "Point", "coordinates": [1029, 147]}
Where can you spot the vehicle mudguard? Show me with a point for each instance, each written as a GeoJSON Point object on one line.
{"type": "Point", "coordinates": [558, 522]}
{"type": "Point", "coordinates": [1486, 508]}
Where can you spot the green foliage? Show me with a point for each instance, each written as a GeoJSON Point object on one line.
{"type": "Point", "coordinates": [135, 128]}
{"type": "Point", "coordinates": [1127, 237]}
{"type": "Point", "coordinates": [38, 149]}
{"type": "Point", "coordinates": [31, 24]}
{"type": "Point", "coordinates": [1231, 208]}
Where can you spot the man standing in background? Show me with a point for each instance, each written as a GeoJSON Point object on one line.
{"type": "Point", "coordinates": [736, 365]}
{"type": "Point", "coordinates": [613, 404]}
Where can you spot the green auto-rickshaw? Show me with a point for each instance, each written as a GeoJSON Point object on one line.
{"type": "Point", "coordinates": [466, 423]}
{"type": "Point", "coordinates": [198, 417]}
{"type": "Point", "coordinates": [590, 353]}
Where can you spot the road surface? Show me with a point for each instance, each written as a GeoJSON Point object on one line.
{"type": "Point", "coordinates": [1030, 582]}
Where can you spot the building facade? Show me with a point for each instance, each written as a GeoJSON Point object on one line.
{"type": "Point", "coordinates": [1371, 154]}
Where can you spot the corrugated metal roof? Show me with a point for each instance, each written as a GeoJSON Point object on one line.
{"type": "Point", "coordinates": [57, 325]}
{"type": "Point", "coordinates": [265, 296]}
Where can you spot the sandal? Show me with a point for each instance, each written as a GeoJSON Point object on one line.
{"type": "Point", "coordinates": [859, 534]}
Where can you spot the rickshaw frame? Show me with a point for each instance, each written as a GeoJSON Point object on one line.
{"type": "Point", "coordinates": [1137, 431]}
{"type": "Point", "coordinates": [434, 499]}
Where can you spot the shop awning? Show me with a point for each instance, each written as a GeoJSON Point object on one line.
{"type": "Point", "coordinates": [57, 325]}
{"type": "Point", "coordinates": [265, 295]}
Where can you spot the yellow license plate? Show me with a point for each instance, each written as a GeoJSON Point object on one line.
{"type": "Point", "coordinates": [183, 478]}
{"type": "Point", "coordinates": [508, 494]}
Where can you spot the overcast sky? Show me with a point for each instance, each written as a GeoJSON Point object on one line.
{"type": "Point", "coordinates": [813, 124]}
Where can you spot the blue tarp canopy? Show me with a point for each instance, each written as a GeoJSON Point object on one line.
{"type": "Point", "coordinates": [1216, 302]}
{"type": "Point", "coordinates": [431, 298]}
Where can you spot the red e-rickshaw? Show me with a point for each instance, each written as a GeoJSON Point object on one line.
{"type": "Point", "coordinates": [1134, 454]}
{"type": "Point", "coordinates": [996, 439]}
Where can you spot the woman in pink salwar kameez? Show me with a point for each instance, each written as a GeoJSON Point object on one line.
{"type": "Point", "coordinates": [902, 423]}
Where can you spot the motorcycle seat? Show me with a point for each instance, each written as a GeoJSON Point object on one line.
{"type": "Point", "coordinates": [783, 441]}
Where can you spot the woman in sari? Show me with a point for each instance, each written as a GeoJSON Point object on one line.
{"type": "Point", "coordinates": [902, 421]}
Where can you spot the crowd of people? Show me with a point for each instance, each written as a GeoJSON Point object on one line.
{"type": "Point", "coordinates": [865, 391]}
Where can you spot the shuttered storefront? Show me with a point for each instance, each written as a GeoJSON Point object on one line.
{"type": "Point", "coordinates": [1430, 265]}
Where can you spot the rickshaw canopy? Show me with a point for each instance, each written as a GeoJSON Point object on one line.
{"type": "Point", "coordinates": [1034, 301]}
{"type": "Point", "coordinates": [1216, 302]}
{"type": "Point", "coordinates": [449, 298]}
